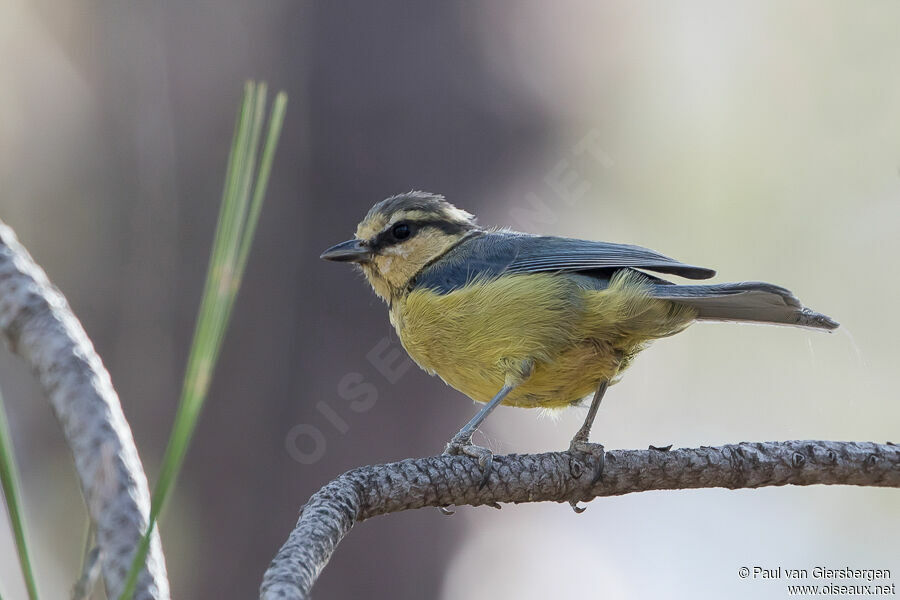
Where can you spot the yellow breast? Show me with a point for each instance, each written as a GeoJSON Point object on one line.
{"type": "Point", "coordinates": [476, 337]}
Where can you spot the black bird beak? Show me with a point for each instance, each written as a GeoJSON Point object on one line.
{"type": "Point", "coordinates": [349, 251]}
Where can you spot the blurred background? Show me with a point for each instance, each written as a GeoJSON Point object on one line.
{"type": "Point", "coordinates": [758, 138]}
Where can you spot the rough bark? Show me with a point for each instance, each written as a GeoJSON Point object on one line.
{"type": "Point", "coordinates": [38, 325]}
{"type": "Point", "coordinates": [559, 477]}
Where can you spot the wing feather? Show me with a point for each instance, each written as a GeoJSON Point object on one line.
{"type": "Point", "coordinates": [491, 254]}
{"type": "Point", "coordinates": [547, 253]}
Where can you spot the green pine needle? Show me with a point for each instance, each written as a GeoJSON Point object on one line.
{"type": "Point", "coordinates": [245, 187]}
{"type": "Point", "coordinates": [9, 478]}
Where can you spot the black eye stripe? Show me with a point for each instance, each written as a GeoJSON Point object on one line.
{"type": "Point", "coordinates": [386, 238]}
{"type": "Point", "coordinates": [449, 227]}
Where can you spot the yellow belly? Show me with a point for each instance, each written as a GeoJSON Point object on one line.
{"type": "Point", "coordinates": [479, 337]}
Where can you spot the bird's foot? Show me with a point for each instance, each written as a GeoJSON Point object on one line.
{"type": "Point", "coordinates": [595, 450]}
{"type": "Point", "coordinates": [582, 446]}
{"type": "Point", "coordinates": [462, 445]}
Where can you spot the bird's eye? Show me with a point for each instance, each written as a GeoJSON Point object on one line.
{"type": "Point", "coordinates": [401, 231]}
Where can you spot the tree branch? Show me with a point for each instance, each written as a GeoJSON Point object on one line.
{"type": "Point", "coordinates": [559, 477]}
{"type": "Point", "coordinates": [38, 324]}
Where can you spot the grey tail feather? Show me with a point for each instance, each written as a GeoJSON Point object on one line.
{"type": "Point", "coordinates": [750, 301]}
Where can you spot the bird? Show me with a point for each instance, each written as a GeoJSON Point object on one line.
{"type": "Point", "coordinates": [535, 321]}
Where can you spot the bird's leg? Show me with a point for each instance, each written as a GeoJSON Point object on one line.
{"type": "Point", "coordinates": [462, 441]}
{"type": "Point", "coordinates": [580, 441]}
{"type": "Point", "coordinates": [584, 433]}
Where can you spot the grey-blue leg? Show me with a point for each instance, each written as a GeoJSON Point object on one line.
{"type": "Point", "coordinates": [462, 441]}
{"type": "Point", "coordinates": [580, 441]}
{"type": "Point", "coordinates": [585, 432]}
{"type": "Point", "coordinates": [465, 434]}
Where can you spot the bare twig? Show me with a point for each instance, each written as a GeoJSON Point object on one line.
{"type": "Point", "coordinates": [84, 587]}
{"type": "Point", "coordinates": [38, 324]}
{"type": "Point", "coordinates": [559, 477]}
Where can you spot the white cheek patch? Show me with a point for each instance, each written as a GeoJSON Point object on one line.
{"type": "Point", "coordinates": [389, 254]}
{"type": "Point", "coordinates": [397, 262]}
{"type": "Point", "coordinates": [400, 250]}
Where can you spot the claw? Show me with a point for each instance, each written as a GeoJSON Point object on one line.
{"type": "Point", "coordinates": [594, 450]}
{"type": "Point", "coordinates": [446, 511]}
{"type": "Point", "coordinates": [486, 462]}
{"type": "Point", "coordinates": [598, 474]}
{"type": "Point", "coordinates": [484, 456]}
{"type": "Point", "coordinates": [578, 509]}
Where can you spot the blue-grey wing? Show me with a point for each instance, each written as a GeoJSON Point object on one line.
{"type": "Point", "coordinates": [492, 253]}
{"type": "Point", "coordinates": [546, 253]}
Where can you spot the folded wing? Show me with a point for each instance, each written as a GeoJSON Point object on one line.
{"type": "Point", "coordinates": [546, 253]}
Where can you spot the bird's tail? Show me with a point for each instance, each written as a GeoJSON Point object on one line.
{"type": "Point", "coordinates": [750, 301]}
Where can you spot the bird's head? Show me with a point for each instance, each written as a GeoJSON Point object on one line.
{"type": "Point", "coordinates": [401, 235]}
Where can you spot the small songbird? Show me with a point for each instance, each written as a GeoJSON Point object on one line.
{"type": "Point", "coordinates": [534, 321]}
